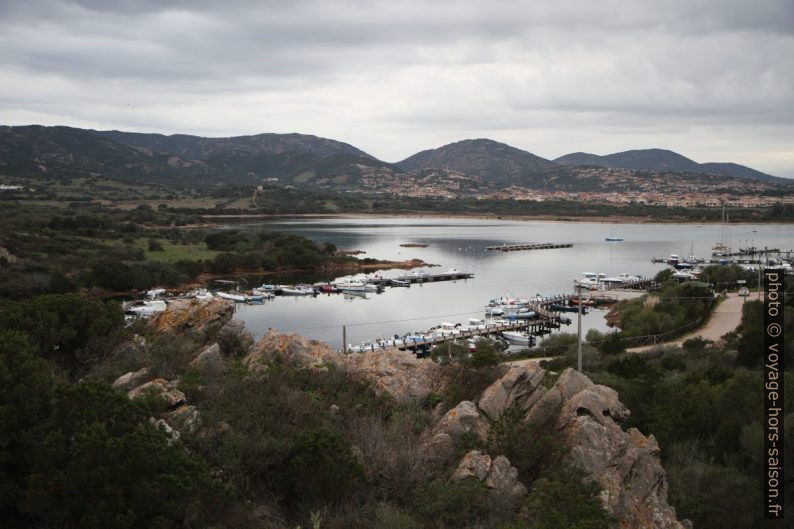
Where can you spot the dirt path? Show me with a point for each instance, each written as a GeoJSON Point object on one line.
{"type": "Point", "coordinates": [725, 318]}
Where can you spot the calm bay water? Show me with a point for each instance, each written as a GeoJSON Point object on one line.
{"type": "Point", "coordinates": [460, 243]}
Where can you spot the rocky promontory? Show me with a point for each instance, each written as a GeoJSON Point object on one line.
{"type": "Point", "coordinates": [584, 418]}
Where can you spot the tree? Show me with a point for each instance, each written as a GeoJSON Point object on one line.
{"type": "Point", "coordinates": [101, 464]}
{"type": "Point", "coordinates": [63, 327]}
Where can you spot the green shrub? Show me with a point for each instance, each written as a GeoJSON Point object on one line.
{"type": "Point", "coordinates": [321, 469]}
{"type": "Point", "coordinates": [566, 501]}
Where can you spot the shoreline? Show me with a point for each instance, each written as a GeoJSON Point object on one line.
{"type": "Point", "coordinates": [609, 219]}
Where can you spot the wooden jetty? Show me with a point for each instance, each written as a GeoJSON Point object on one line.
{"type": "Point", "coordinates": [426, 278]}
{"type": "Point", "coordinates": [528, 246]}
{"type": "Point", "coordinates": [535, 327]}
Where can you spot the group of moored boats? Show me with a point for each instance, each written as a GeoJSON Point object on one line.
{"type": "Point", "coordinates": [600, 281]}
{"type": "Point", "coordinates": [446, 330]}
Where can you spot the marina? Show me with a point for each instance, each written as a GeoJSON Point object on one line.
{"type": "Point", "coordinates": [528, 246]}
{"type": "Point", "coordinates": [466, 275]}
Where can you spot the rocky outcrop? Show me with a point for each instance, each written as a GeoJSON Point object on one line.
{"type": "Point", "coordinates": [132, 379]}
{"type": "Point", "coordinates": [586, 417]}
{"type": "Point", "coordinates": [395, 372]}
{"type": "Point", "coordinates": [185, 418]}
{"type": "Point", "coordinates": [161, 390]}
{"type": "Point", "coordinates": [209, 359]}
{"type": "Point", "coordinates": [199, 318]}
{"type": "Point", "coordinates": [293, 349]}
{"type": "Point", "coordinates": [516, 388]}
{"type": "Point", "coordinates": [398, 373]}
{"type": "Point", "coordinates": [497, 474]}
{"type": "Point", "coordinates": [462, 419]}
{"type": "Point", "coordinates": [234, 332]}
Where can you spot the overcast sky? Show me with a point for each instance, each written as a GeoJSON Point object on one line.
{"type": "Point", "coordinates": [711, 79]}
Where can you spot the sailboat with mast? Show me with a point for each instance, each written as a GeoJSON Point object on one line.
{"type": "Point", "coordinates": [723, 247]}
{"type": "Point", "coordinates": [612, 237]}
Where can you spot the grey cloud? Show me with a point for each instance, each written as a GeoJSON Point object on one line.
{"type": "Point", "coordinates": [402, 66]}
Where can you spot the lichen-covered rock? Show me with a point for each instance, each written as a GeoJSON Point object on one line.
{"type": "Point", "coordinates": [503, 477]}
{"type": "Point", "coordinates": [200, 318]}
{"type": "Point", "coordinates": [624, 464]}
{"type": "Point", "coordinates": [395, 372]}
{"type": "Point", "coordinates": [132, 379]}
{"type": "Point", "coordinates": [291, 348]}
{"type": "Point", "coordinates": [209, 359]}
{"type": "Point", "coordinates": [159, 389]}
{"type": "Point", "coordinates": [497, 474]}
{"type": "Point", "coordinates": [515, 388]}
{"type": "Point", "coordinates": [474, 464]}
{"type": "Point", "coordinates": [398, 373]}
{"type": "Point", "coordinates": [185, 418]}
{"type": "Point", "coordinates": [462, 419]}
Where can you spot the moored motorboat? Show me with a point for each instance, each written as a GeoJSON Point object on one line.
{"type": "Point", "coordinates": [298, 290]}
{"type": "Point", "coordinates": [518, 338]}
{"type": "Point", "coordinates": [240, 298]}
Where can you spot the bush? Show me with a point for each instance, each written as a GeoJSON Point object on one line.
{"type": "Point", "coordinates": [566, 501]}
{"type": "Point", "coordinates": [155, 246]}
{"type": "Point", "coordinates": [321, 469]}
{"type": "Point", "coordinates": [454, 504]}
{"type": "Point", "coordinates": [64, 327]}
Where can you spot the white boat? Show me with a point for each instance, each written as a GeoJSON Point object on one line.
{"type": "Point", "coordinates": [201, 293]}
{"type": "Point", "coordinates": [297, 291]}
{"type": "Point", "coordinates": [399, 283]}
{"type": "Point", "coordinates": [153, 293]}
{"type": "Point", "coordinates": [589, 280]}
{"type": "Point", "coordinates": [494, 311]}
{"type": "Point", "coordinates": [518, 338]}
{"type": "Point", "coordinates": [684, 275]}
{"type": "Point", "coordinates": [263, 294]}
{"type": "Point", "coordinates": [146, 308]}
{"type": "Point", "coordinates": [239, 298]}
{"type": "Point", "coordinates": [356, 287]}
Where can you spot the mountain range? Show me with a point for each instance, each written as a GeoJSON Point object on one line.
{"type": "Point", "coordinates": [310, 161]}
{"type": "Point", "coordinates": [661, 160]}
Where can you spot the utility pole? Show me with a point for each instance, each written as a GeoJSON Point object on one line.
{"type": "Point", "coordinates": [344, 338]}
{"type": "Point", "coordinates": [579, 330]}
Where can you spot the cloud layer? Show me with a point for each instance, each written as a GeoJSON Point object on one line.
{"type": "Point", "coordinates": [712, 80]}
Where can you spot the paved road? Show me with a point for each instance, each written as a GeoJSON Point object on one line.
{"type": "Point", "coordinates": [725, 318]}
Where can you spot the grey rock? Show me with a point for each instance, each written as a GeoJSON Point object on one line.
{"type": "Point", "coordinates": [474, 464]}
{"type": "Point", "coordinates": [160, 424]}
{"type": "Point", "coordinates": [132, 379]}
{"type": "Point", "coordinates": [463, 418]}
{"type": "Point", "coordinates": [185, 419]}
{"type": "Point", "coordinates": [161, 390]}
{"type": "Point", "coordinates": [440, 448]}
{"type": "Point", "coordinates": [624, 464]}
{"type": "Point", "coordinates": [545, 409]}
{"type": "Point", "coordinates": [236, 328]}
{"type": "Point", "coordinates": [503, 477]}
{"type": "Point", "coordinates": [209, 359]}
{"type": "Point", "coordinates": [516, 387]}
{"type": "Point", "coordinates": [496, 474]}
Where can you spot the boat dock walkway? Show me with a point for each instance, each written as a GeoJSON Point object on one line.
{"type": "Point", "coordinates": [425, 278]}
{"type": "Point", "coordinates": [528, 246]}
{"type": "Point", "coordinates": [535, 327]}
